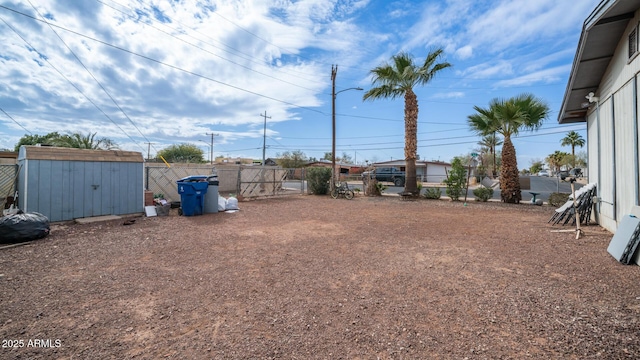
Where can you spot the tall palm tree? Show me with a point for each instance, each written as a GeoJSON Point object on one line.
{"type": "Point", "coordinates": [507, 118]}
{"type": "Point", "coordinates": [573, 139]}
{"type": "Point", "coordinates": [89, 141]}
{"type": "Point", "coordinates": [398, 78]}
{"type": "Point", "coordinates": [491, 141]}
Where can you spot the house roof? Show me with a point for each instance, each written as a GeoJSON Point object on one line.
{"type": "Point", "coordinates": [419, 163]}
{"type": "Point", "coordinates": [600, 36]}
{"type": "Point", "coordinates": [328, 163]}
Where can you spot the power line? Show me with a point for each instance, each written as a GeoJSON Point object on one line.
{"type": "Point", "coordinates": [14, 120]}
{"type": "Point", "coordinates": [238, 52]}
{"type": "Point", "coordinates": [324, 147]}
{"type": "Point", "coordinates": [370, 137]}
{"type": "Point", "coordinates": [218, 56]}
{"type": "Point", "coordinates": [98, 82]}
{"type": "Point", "coordinates": [70, 82]}
{"type": "Point", "coordinates": [166, 64]}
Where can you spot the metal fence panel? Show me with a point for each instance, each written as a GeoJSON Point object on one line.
{"type": "Point", "coordinates": [161, 179]}
{"type": "Point", "coordinates": [242, 181]}
{"type": "Point", "coordinates": [8, 181]}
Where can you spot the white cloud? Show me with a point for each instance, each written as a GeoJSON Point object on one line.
{"type": "Point", "coordinates": [464, 52]}
{"type": "Point", "coordinates": [449, 95]}
{"type": "Point", "coordinates": [487, 70]}
{"type": "Point", "coordinates": [543, 76]}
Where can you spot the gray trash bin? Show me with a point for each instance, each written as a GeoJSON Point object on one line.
{"type": "Point", "coordinates": [211, 198]}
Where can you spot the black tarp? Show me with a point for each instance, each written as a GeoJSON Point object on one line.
{"type": "Point", "coordinates": [23, 227]}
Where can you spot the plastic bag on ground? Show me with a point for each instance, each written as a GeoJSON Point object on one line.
{"type": "Point", "coordinates": [232, 204]}
{"type": "Point", "coordinates": [23, 227]}
{"type": "Point", "coordinates": [222, 203]}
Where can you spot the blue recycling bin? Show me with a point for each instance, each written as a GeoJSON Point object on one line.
{"type": "Point", "coordinates": [192, 190]}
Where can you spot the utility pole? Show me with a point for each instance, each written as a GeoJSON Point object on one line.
{"type": "Point", "coordinates": [334, 71]}
{"type": "Point", "coordinates": [211, 149]}
{"type": "Point", "coordinates": [149, 150]}
{"type": "Point", "coordinates": [264, 137]}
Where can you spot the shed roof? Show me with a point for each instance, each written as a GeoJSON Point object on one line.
{"type": "Point", "coordinates": [72, 154]}
{"type": "Point", "coordinates": [601, 33]}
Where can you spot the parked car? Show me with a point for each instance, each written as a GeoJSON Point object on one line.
{"type": "Point", "coordinates": [575, 172]}
{"type": "Point", "coordinates": [543, 173]}
{"type": "Point", "coordinates": [563, 174]}
{"type": "Point", "coordinates": [389, 174]}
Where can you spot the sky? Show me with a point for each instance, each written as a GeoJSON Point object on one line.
{"type": "Point", "coordinates": [149, 74]}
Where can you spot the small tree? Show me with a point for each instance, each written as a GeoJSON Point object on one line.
{"type": "Point", "coordinates": [536, 166]}
{"type": "Point", "coordinates": [187, 153]}
{"type": "Point", "coordinates": [318, 180]}
{"type": "Point", "coordinates": [456, 180]}
{"type": "Point", "coordinates": [294, 159]}
{"type": "Point", "coordinates": [88, 141]}
{"type": "Point", "coordinates": [37, 139]}
{"type": "Point", "coordinates": [558, 159]}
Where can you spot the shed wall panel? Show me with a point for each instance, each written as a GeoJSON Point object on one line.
{"type": "Point", "coordinates": [65, 189]}
{"type": "Point", "coordinates": [77, 178]}
{"type": "Point", "coordinates": [56, 193]}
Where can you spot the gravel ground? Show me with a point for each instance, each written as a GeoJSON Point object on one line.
{"type": "Point", "coordinates": [308, 277]}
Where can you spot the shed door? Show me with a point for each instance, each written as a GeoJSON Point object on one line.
{"type": "Point", "coordinates": [99, 187]}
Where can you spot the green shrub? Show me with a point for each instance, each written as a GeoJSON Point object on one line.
{"type": "Point", "coordinates": [381, 187]}
{"type": "Point", "coordinates": [318, 180]}
{"type": "Point", "coordinates": [483, 193]}
{"type": "Point", "coordinates": [456, 180]}
{"type": "Point", "coordinates": [558, 199]}
{"type": "Point", "coordinates": [432, 193]}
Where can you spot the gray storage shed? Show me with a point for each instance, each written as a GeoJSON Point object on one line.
{"type": "Point", "coordinates": [66, 184]}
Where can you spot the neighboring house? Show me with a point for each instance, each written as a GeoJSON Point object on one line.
{"type": "Point", "coordinates": [341, 168]}
{"type": "Point", "coordinates": [235, 161]}
{"type": "Point", "coordinates": [603, 91]}
{"type": "Point", "coordinates": [426, 171]}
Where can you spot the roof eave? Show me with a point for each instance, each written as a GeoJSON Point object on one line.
{"type": "Point", "coordinates": [574, 105]}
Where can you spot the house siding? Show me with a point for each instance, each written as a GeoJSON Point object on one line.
{"type": "Point", "coordinates": [612, 134]}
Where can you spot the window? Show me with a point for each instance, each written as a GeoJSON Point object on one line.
{"type": "Point", "coordinates": [633, 42]}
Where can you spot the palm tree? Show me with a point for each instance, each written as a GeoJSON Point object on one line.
{"type": "Point", "coordinates": [556, 160]}
{"type": "Point", "coordinates": [508, 118]}
{"type": "Point", "coordinates": [490, 142]}
{"type": "Point", "coordinates": [573, 139]}
{"type": "Point", "coordinates": [396, 79]}
{"type": "Point", "coordinates": [89, 141]}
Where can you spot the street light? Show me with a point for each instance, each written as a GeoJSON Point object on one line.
{"type": "Point", "coordinates": [333, 125]}
{"type": "Point", "coordinates": [210, 150]}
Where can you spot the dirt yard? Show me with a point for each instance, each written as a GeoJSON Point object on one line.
{"type": "Point", "coordinates": [310, 277]}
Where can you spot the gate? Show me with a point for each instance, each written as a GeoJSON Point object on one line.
{"type": "Point", "coordinates": [261, 181]}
